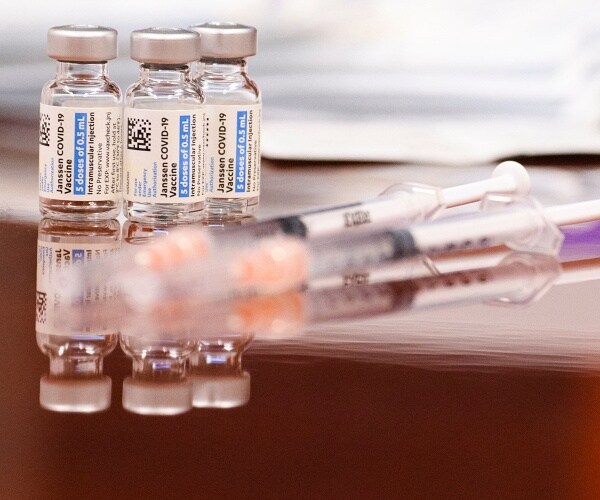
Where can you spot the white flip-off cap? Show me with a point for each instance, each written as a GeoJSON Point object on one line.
{"type": "Point", "coordinates": [221, 391]}
{"type": "Point", "coordinates": [70, 395]}
{"type": "Point", "coordinates": [165, 46]}
{"type": "Point", "coordinates": [82, 43]}
{"type": "Point", "coordinates": [157, 398]}
{"type": "Point", "coordinates": [226, 40]}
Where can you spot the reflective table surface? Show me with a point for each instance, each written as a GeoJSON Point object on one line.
{"type": "Point", "coordinates": [425, 392]}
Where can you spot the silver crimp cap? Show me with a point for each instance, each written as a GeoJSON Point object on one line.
{"type": "Point", "coordinates": [226, 40]}
{"type": "Point", "coordinates": [165, 46]}
{"type": "Point", "coordinates": [82, 43]}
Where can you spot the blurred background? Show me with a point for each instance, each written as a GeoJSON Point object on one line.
{"type": "Point", "coordinates": [460, 83]}
{"type": "Point", "coordinates": [381, 56]}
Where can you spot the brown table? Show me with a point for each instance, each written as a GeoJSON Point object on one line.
{"type": "Point", "coordinates": [463, 402]}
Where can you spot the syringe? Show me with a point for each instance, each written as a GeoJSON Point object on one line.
{"type": "Point", "coordinates": [397, 206]}
{"type": "Point", "coordinates": [282, 263]}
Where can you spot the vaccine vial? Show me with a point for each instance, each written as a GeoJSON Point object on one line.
{"type": "Point", "coordinates": [75, 382]}
{"type": "Point", "coordinates": [80, 137]}
{"type": "Point", "coordinates": [163, 167]}
{"type": "Point", "coordinates": [231, 119]}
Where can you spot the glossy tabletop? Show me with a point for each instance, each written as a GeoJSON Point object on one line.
{"type": "Point", "coordinates": [470, 400]}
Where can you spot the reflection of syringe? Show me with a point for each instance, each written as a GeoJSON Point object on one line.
{"type": "Point", "coordinates": [279, 264]}
{"type": "Point", "coordinates": [519, 278]}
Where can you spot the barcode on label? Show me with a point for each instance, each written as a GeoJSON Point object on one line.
{"type": "Point", "coordinates": [139, 134]}
{"type": "Point", "coordinates": [44, 129]}
{"type": "Point", "coordinates": [41, 303]}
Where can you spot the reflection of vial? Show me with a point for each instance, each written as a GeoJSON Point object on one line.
{"type": "Point", "coordinates": [218, 225]}
{"type": "Point", "coordinates": [159, 383]}
{"type": "Point", "coordinates": [76, 382]}
{"type": "Point", "coordinates": [137, 233]}
{"type": "Point", "coordinates": [231, 119]}
{"type": "Point", "coordinates": [216, 372]}
{"type": "Point", "coordinates": [80, 127]}
{"type": "Point", "coordinates": [162, 164]}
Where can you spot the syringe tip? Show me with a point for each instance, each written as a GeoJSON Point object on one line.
{"type": "Point", "coordinates": [518, 173]}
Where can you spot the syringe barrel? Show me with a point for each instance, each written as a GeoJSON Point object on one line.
{"type": "Point", "coordinates": [518, 225]}
{"type": "Point", "coordinates": [408, 205]}
{"type": "Point", "coordinates": [357, 252]}
{"type": "Point", "coordinates": [521, 225]}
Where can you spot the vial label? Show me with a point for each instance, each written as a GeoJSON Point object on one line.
{"type": "Point", "coordinates": [80, 153]}
{"type": "Point", "coordinates": [232, 157]}
{"type": "Point", "coordinates": [162, 156]}
{"type": "Point", "coordinates": [54, 258]}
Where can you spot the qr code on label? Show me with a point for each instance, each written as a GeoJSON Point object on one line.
{"type": "Point", "coordinates": [44, 129]}
{"type": "Point", "coordinates": [139, 134]}
{"type": "Point", "coordinates": [41, 303]}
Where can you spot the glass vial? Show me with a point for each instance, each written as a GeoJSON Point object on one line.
{"type": "Point", "coordinates": [80, 136]}
{"type": "Point", "coordinates": [231, 119]}
{"type": "Point", "coordinates": [162, 164]}
{"type": "Point", "coordinates": [76, 382]}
